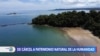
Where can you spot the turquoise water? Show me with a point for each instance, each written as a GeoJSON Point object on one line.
{"type": "Point", "coordinates": [31, 35]}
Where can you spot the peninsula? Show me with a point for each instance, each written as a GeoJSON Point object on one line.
{"type": "Point", "coordinates": [82, 27]}
{"type": "Point", "coordinates": [89, 21]}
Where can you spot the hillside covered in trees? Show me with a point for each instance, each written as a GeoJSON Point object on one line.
{"type": "Point", "coordinates": [90, 21]}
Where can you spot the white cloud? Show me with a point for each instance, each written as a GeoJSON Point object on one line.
{"type": "Point", "coordinates": [46, 4]}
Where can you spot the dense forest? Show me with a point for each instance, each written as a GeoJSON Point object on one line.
{"type": "Point", "coordinates": [90, 21]}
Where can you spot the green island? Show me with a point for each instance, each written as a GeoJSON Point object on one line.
{"type": "Point", "coordinates": [89, 21]}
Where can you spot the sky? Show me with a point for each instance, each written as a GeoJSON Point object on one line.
{"type": "Point", "coordinates": [46, 4]}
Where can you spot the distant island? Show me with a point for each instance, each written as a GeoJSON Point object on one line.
{"type": "Point", "coordinates": [90, 21]}
{"type": "Point", "coordinates": [79, 9]}
{"type": "Point", "coordinates": [12, 13]}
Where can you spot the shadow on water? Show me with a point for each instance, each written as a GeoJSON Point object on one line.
{"type": "Point", "coordinates": [45, 28]}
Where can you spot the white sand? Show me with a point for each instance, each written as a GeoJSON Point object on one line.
{"type": "Point", "coordinates": [83, 38]}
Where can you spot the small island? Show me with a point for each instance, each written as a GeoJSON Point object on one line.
{"type": "Point", "coordinates": [12, 13]}
{"type": "Point", "coordinates": [89, 21]}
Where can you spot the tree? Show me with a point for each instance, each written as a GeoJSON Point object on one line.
{"type": "Point", "coordinates": [90, 21]}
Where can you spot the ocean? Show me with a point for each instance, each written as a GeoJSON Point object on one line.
{"type": "Point", "coordinates": [17, 34]}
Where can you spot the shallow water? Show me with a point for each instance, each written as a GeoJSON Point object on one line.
{"type": "Point", "coordinates": [31, 35]}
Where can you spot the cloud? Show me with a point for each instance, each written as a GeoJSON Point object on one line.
{"type": "Point", "coordinates": [46, 4]}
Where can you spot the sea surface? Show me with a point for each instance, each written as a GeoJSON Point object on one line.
{"type": "Point", "coordinates": [19, 34]}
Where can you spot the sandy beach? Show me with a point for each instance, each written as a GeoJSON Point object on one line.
{"type": "Point", "coordinates": [83, 38]}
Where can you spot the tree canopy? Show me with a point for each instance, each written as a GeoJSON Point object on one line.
{"type": "Point", "coordinates": [90, 21]}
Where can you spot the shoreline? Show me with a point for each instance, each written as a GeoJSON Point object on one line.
{"type": "Point", "coordinates": [83, 38]}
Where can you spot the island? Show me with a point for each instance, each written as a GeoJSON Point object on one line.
{"type": "Point", "coordinates": [78, 9]}
{"type": "Point", "coordinates": [89, 21]}
{"type": "Point", "coordinates": [12, 13]}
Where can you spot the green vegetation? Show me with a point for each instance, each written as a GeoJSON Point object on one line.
{"type": "Point", "coordinates": [90, 21]}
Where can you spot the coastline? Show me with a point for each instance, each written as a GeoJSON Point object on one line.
{"type": "Point", "coordinates": [83, 38]}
